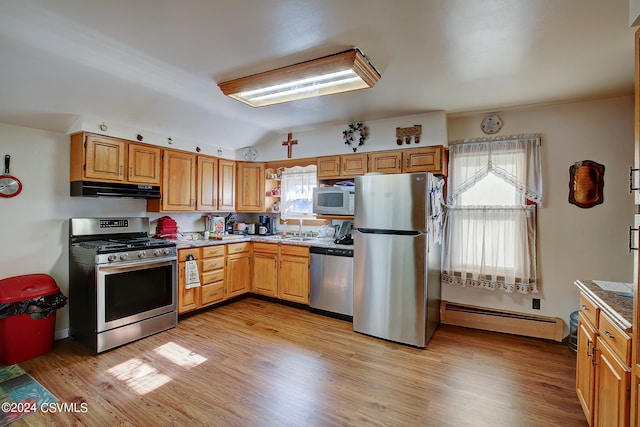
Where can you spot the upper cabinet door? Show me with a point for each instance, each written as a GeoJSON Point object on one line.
{"type": "Point", "coordinates": [328, 167]}
{"type": "Point", "coordinates": [178, 181]}
{"type": "Point", "coordinates": [354, 164]}
{"type": "Point", "coordinates": [427, 159]}
{"type": "Point", "coordinates": [385, 162]}
{"type": "Point", "coordinates": [226, 185]}
{"type": "Point", "coordinates": [250, 187]}
{"type": "Point", "coordinates": [207, 184]}
{"type": "Point", "coordinates": [105, 158]}
{"type": "Point", "coordinates": [144, 164]}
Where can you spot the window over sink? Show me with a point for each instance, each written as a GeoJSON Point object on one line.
{"type": "Point", "coordinates": [297, 192]}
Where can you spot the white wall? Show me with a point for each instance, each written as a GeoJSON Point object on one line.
{"type": "Point", "coordinates": [574, 243]}
{"type": "Point", "coordinates": [34, 225]}
{"type": "Point", "coordinates": [328, 140]}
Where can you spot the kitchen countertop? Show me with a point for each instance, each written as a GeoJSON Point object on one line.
{"type": "Point", "coordinates": [619, 308]}
{"type": "Point", "coordinates": [307, 241]}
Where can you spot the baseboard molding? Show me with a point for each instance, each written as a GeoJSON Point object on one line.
{"type": "Point", "coordinates": [510, 322]}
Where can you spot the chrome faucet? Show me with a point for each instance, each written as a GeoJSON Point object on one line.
{"type": "Point", "coordinates": [300, 229]}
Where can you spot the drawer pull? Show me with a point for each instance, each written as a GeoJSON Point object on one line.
{"type": "Point", "coordinates": [608, 335]}
{"type": "Point", "coordinates": [213, 293]}
{"type": "Point", "coordinates": [589, 353]}
{"type": "Point", "coordinates": [585, 308]}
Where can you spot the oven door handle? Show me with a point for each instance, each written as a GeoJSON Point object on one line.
{"type": "Point", "coordinates": [136, 265]}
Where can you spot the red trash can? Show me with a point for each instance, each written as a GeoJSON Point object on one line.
{"type": "Point", "coordinates": [22, 337]}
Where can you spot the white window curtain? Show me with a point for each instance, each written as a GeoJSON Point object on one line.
{"type": "Point", "coordinates": [297, 192]}
{"type": "Point", "coordinates": [490, 230]}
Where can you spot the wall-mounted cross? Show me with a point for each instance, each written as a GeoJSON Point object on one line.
{"type": "Point", "coordinates": [289, 143]}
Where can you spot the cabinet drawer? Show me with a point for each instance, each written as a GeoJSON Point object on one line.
{"type": "Point", "coordinates": [589, 310]}
{"type": "Point", "coordinates": [212, 276]}
{"type": "Point", "coordinates": [209, 264]}
{"type": "Point", "coordinates": [294, 250]}
{"type": "Point", "coordinates": [268, 248]}
{"type": "Point", "coordinates": [183, 253]}
{"type": "Point", "coordinates": [615, 338]}
{"type": "Point", "coordinates": [211, 293]}
{"type": "Point", "coordinates": [235, 248]}
{"type": "Point", "coordinates": [211, 251]}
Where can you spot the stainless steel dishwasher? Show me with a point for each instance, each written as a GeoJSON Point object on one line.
{"type": "Point", "coordinates": [331, 281]}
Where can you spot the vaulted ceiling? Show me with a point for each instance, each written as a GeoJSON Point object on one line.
{"type": "Point", "coordinates": [155, 64]}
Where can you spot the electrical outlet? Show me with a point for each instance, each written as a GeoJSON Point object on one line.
{"type": "Point", "coordinates": [535, 303]}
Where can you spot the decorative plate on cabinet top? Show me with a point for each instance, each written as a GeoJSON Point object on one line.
{"type": "Point", "coordinates": [491, 124]}
{"type": "Point", "coordinates": [250, 153]}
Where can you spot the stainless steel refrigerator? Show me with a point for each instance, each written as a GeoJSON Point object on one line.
{"type": "Point", "coordinates": [397, 257]}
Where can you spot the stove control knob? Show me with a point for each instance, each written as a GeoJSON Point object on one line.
{"type": "Point", "coordinates": [142, 254]}
{"type": "Point", "coordinates": [167, 251]}
{"type": "Point", "coordinates": [157, 252]}
{"type": "Point", "coordinates": [111, 257]}
{"type": "Point", "coordinates": [123, 256]}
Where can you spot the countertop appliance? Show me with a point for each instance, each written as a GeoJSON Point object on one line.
{"type": "Point", "coordinates": [397, 259]}
{"type": "Point", "coordinates": [122, 284]}
{"type": "Point", "coordinates": [336, 200]}
{"type": "Point", "coordinates": [269, 224]}
{"type": "Point", "coordinates": [331, 281]}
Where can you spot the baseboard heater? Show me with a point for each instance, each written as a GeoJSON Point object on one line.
{"type": "Point", "coordinates": [490, 319]}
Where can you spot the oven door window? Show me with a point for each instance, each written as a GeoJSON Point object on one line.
{"type": "Point", "coordinates": [135, 294]}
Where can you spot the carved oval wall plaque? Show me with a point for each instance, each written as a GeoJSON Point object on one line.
{"type": "Point", "coordinates": [586, 184]}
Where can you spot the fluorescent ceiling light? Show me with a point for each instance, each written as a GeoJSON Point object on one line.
{"type": "Point", "coordinates": [341, 72]}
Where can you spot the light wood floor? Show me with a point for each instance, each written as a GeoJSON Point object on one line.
{"type": "Point", "coordinates": [258, 363]}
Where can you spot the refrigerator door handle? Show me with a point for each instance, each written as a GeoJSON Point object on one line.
{"type": "Point", "coordinates": [393, 232]}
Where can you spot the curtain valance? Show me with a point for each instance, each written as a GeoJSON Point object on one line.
{"type": "Point", "coordinates": [516, 159]}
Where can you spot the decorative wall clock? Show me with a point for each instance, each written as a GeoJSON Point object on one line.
{"type": "Point", "coordinates": [491, 124]}
{"type": "Point", "coordinates": [249, 153]}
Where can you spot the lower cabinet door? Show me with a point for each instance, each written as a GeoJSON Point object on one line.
{"type": "Point", "coordinates": [612, 398]}
{"type": "Point", "coordinates": [585, 369]}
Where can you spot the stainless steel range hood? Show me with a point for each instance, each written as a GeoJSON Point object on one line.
{"type": "Point", "coordinates": [114, 190]}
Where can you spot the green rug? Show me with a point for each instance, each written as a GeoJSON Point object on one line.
{"type": "Point", "coordinates": [20, 395]}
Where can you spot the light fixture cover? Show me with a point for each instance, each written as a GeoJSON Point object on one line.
{"type": "Point", "coordinates": [340, 72]}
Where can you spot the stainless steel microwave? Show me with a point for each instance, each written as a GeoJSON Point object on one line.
{"type": "Point", "coordinates": [333, 200]}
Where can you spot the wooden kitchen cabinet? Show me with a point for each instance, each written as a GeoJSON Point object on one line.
{"type": "Point", "coordinates": [385, 161]}
{"type": "Point", "coordinates": [107, 159]}
{"type": "Point", "coordinates": [250, 182]}
{"type": "Point", "coordinates": [238, 269]}
{"type": "Point", "coordinates": [585, 366]}
{"type": "Point", "coordinates": [188, 299]}
{"type": "Point", "coordinates": [612, 397]}
{"type": "Point", "coordinates": [265, 269]}
{"type": "Point", "coordinates": [345, 166]}
{"type": "Point", "coordinates": [226, 185]}
{"type": "Point", "coordinates": [212, 274]}
{"type": "Point", "coordinates": [425, 159]}
{"type": "Point", "coordinates": [207, 184]}
{"type": "Point", "coordinates": [143, 164]}
{"type": "Point", "coordinates": [178, 183]}
{"type": "Point", "coordinates": [211, 270]}
{"type": "Point", "coordinates": [293, 274]}
{"type": "Point", "coordinates": [603, 372]}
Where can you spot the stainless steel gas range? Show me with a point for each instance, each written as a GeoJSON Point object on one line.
{"type": "Point", "coordinates": [122, 284]}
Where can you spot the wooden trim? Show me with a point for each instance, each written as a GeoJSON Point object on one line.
{"type": "Point", "coordinates": [289, 163]}
{"type": "Point", "coordinates": [510, 322]}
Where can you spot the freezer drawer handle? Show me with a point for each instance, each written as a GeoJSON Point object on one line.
{"type": "Point", "coordinates": [631, 247]}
